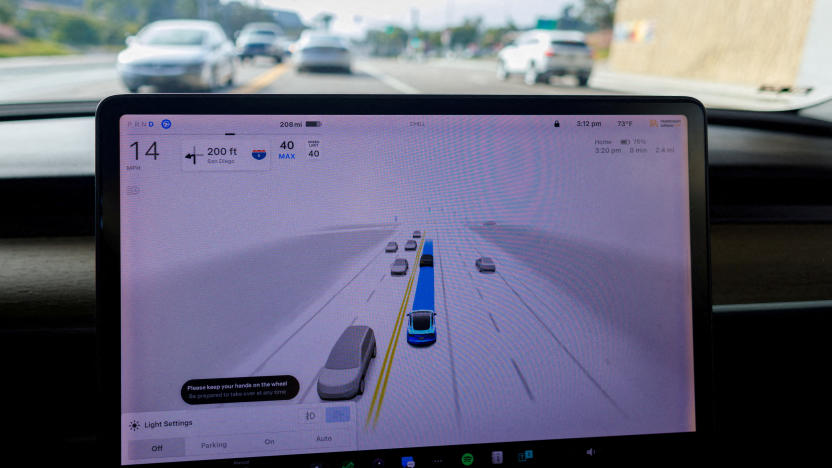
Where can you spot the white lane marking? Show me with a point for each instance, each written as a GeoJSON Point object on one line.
{"type": "Point", "coordinates": [394, 83]}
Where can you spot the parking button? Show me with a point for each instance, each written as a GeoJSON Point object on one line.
{"type": "Point", "coordinates": [155, 448]}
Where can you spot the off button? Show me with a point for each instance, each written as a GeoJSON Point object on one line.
{"type": "Point", "coordinates": [156, 448]}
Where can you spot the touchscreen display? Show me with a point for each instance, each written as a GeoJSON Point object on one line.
{"type": "Point", "coordinates": [322, 283]}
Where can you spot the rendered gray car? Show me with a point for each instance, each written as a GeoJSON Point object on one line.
{"type": "Point", "coordinates": [410, 245]}
{"type": "Point", "coordinates": [417, 234]}
{"type": "Point", "coordinates": [485, 264]}
{"type": "Point", "coordinates": [399, 267]}
{"type": "Point", "coordinates": [178, 54]}
{"type": "Point", "coordinates": [342, 377]}
{"type": "Point", "coordinates": [391, 247]}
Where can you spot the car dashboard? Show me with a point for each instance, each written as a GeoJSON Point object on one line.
{"type": "Point", "coordinates": [771, 258]}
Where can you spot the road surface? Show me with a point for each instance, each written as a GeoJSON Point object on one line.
{"type": "Point", "coordinates": [511, 345]}
{"type": "Point", "coordinates": [95, 77]}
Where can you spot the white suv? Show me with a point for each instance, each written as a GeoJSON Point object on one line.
{"type": "Point", "coordinates": [540, 54]}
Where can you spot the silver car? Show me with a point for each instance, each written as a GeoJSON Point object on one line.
{"type": "Point", "coordinates": [410, 245]}
{"type": "Point", "coordinates": [264, 39]}
{"type": "Point", "coordinates": [391, 247]}
{"type": "Point", "coordinates": [178, 54]}
{"type": "Point", "coordinates": [399, 267]}
{"type": "Point", "coordinates": [417, 234]}
{"type": "Point", "coordinates": [485, 264]}
{"type": "Point", "coordinates": [342, 377]}
{"type": "Point", "coordinates": [321, 51]}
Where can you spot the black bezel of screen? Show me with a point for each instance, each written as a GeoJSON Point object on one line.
{"type": "Point", "coordinates": [108, 268]}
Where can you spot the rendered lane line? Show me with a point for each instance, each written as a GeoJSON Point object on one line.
{"type": "Point", "coordinates": [390, 346]}
{"type": "Point", "coordinates": [398, 330]}
{"type": "Point", "coordinates": [387, 353]}
{"type": "Point", "coordinates": [263, 364]}
{"type": "Point", "coordinates": [552, 334]}
{"type": "Point", "coordinates": [565, 349]}
{"type": "Point", "coordinates": [480, 293]}
{"type": "Point", "coordinates": [447, 317]}
{"type": "Point", "coordinates": [557, 340]}
{"type": "Point", "coordinates": [309, 388]}
{"type": "Point", "coordinates": [523, 380]}
{"type": "Point", "coordinates": [382, 278]}
{"type": "Point", "coordinates": [370, 296]}
{"type": "Point", "coordinates": [262, 80]}
{"type": "Point", "coordinates": [394, 83]}
{"type": "Point", "coordinates": [494, 322]}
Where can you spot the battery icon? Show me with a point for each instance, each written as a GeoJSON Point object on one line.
{"type": "Point", "coordinates": [313, 123]}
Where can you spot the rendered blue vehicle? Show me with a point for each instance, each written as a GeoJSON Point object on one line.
{"type": "Point", "coordinates": [421, 322]}
{"type": "Point", "coordinates": [421, 327]}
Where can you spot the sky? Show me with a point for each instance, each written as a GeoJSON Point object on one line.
{"type": "Point", "coordinates": [353, 17]}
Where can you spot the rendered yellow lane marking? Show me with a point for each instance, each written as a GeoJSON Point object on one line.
{"type": "Point", "coordinates": [387, 353]}
{"type": "Point", "coordinates": [262, 80]}
{"type": "Point", "coordinates": [398, 329]}
{"type": "Point", "coordinates": [399, 318]}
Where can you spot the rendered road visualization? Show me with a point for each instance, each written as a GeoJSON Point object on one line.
{"type": "Point", "coordinates": [540, 336]}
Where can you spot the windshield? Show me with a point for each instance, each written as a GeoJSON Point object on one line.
{"type": "Point", "coordinates": [420, 322]}
{"type": "Point", "coordinates": [775, 59]}
{"type": "Point", "coordinates": [173, 37]}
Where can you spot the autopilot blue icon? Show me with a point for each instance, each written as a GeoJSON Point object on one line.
{"type": "Point", "coordinates": [150, 124]}
{"type": "Point", "coordinates": [166, 123]}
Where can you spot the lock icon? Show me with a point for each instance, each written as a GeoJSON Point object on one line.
{"type": "Point", "coordinates": [557, 123]}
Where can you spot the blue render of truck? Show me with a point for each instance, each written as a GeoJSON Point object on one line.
{"type": "Point", "coordinates": [421, 324]}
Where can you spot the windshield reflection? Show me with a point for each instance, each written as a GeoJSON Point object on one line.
{"type": "Point", "coordinates": [776, 59]}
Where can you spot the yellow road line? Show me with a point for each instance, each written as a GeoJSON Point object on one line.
{"type": "Point", "coordinates": [390, 345]}
{"type": "Point", "coordinates": [262, 80]}
{"type": "Point", "coordinates": [398, 331]}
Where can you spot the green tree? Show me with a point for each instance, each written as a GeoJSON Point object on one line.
{"type": "Point", "coordinates": [495, 37]}
{"type": "Point", "coordinates": [387, 43]}
{"type": "Point", "coordinates": [466, 33]}
{"type": "Point", "coordinates": [8, 10]}
{"type": "Point", "coordinates": [598, 13]}
{"type": "Point", "coordinates": [324, 20]}
{"type": "Point", "coordinates": [77, 30]}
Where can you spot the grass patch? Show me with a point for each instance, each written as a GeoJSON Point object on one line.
{"type": "Point", "coordinates": [32, 47]}
{"type": "Point", "coordinates": [602, 54]}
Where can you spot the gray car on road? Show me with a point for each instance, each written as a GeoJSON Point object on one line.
{"type": "Point", "coordinates": [177, 54]}
{"type": "Point", "coordinates": [410, 245]}
{"type": "Point", "coordinates": [317, 50]}
{"type": "Point", "coordinates": [399, 267]}
{"type": "Point", "coordinates": [343, 375]}
{"type": "Point", "coordinates": [391, 247]}
{"type": "Point", "coordinates": [486, 264]}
